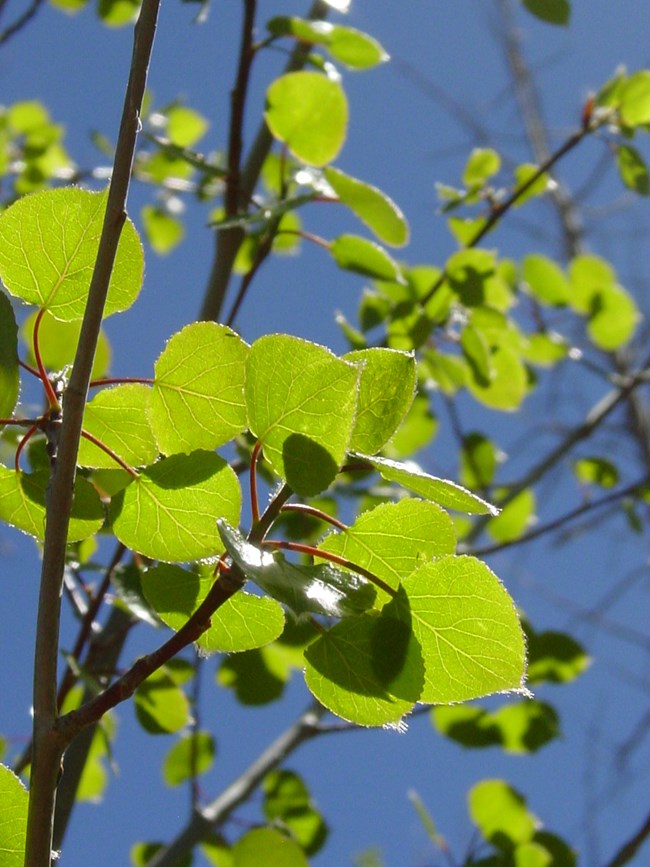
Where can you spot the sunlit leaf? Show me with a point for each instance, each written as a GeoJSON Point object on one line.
{"type": "Point", "coordinates": [478, 461]}
{"type": "Point", "coordinates": [633, 170]}
{"type": "Point", "coordinates": [13, 825]}
{"type": "Point", "coordinates": [160, 706]}
{"type": "Point", "coordinates": [48, 248]}
{"type": "Point", "coordinates": [545, 280]}
{"type": "Point", "coordinates": [9, 372]}
{"type": "Point", "coordinates": [418, 429]}
{"type": "Point", "coordinates": [357, 254]}
{"type": "Point", "coordinates": [198, 395]}
{"type": "Point", "coordinates": [301, 403]}
{"type": "Point", "coordinates": [191, 755]}
{"type": "Point", "coordinates": [500, 813]}
{"type": "Point", "coordinates": [170, 511]}
{"type": "Point", "coordinates": [309, 113]}
{"type": "Point", "coordinates": [267, 846]}
{"type": "Point", "coordinates": [524, 727]}
{"type": "Point", "coordinates": [515, 517]}
{"type": "Point", "coordinates": [321, 589]}
{"type": "Point", "coordinates": [287, 799]}
{"type": "Point", "coordinates": [394, 539]}
{"type": "Point", "coordinates": [554, 657]}
{"type": "Point", "coordinates": [117, 417]}
{"type": "Point", "coordinates": [386, 390]}
{"type": "Point", "coordinates": [508, 384]}
{"type": "Point", "coordinates": [118, 13]}
{"type": "Point", "coordinates": [634, 98]}
{"type": "Point", "coordinates": [349, 46]}
{"type": "Point", "coordinates": [22, 504]}
{"type": "Point", "coordinates": [243, 622]}
{"type": "Point", "coordinates": [371, 205]}
{"type": "Point", "coordinates": [442, 491]}
{"type": "Point", "coordinates": [596, 471]}
{"type": "Point", "coordinates": [185, 126]}
{"type": "Point", "coordinates": [482, 163]}
{"type": "Point", "coordinates": [163, 231]}
{"type": "Point", "coordinates": [57, 343]}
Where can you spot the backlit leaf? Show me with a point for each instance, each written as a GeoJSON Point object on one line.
{"type": "Point", "coordinates": [386, 390]}
{"type": "Point", "coordinates": [22, 504]}
{"type": "Point", "coordinates": [163, 231]}
{"type": "Point", "coordinates": [160, 706]}
{"type": "Point", "coordinates": [361, 256]}
{"type": "Point", "coordinates": [267, 846]}
{"type": "Point", "coordinates": [466, 623]}
{"type": "Point", "coordinates": [545, 280]}
{"type": "Point", "coordinates": [48, 247]}
{"type": "Point", "coordinates": [170, 511]}
{"type": "Point", "coordinates": [514, 518]}
{"type": "Point", "coordinates": [191, 755]}
{"type": "Point", "coordinates": [243, 622]}
{"type": "Point", "coordinates": [349, 46]}
{"type": "Point", "coordinates": [117, 416]}
{"type": "Point", "coordinates": [394, 539]}
{"type": "Point", "coordinates": [13, 824]}
{"type": "Point", "coordinates": [442, 491]}
{"type": "Point", "coordinates": [321, 589]}
{"type": "Point", "coordinates": [633, 170]}
{"type": "Point", "coordinates": [500, 813]}
{"type": "Point", "coordinates": [57, 342]}
{"type": "Point", "coordinates": [366, 669]}
{"type": "Point", "coordinates": [185, 126]}
{"type": "Point", "coordinates": [481, 165]}
{"type": "Point", "coordinates": [287, 799]}
{"type": "Point", "coordinates": [524, 727]}
{"type": "Point", "coordinates": [508, 384]}
{"type": "Point", "coordinates": [9, 373]}
{"type": "Point", "coordinates": [309, 113]}
{"type": "Point", "coordinates": [554, 657]}
{"type": "Point", "coordinates": [301, 403]}
{"type": "Point", "coordinates": [478, 461]}
{"type": "Point", "coordinates": [613, 318]}
{"type": "Point", "coordinates": [371, 205]}
{"type": "Point", "coordinates": [634, 98]}
{"type": "Point", "coordinates": [198, 394]}
{"type": "Point", "coordinates": [418, 429]}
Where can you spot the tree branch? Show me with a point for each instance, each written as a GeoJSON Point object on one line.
{"type": "Point", "coordinates": [630, 848]}
{"type": "Point", "coordinates": [215, 814]}
{"type": "Point", "coordinates": [48, 743]}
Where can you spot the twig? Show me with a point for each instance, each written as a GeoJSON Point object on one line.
{"type": "Point", "coordinates": [630, 848]}
{"type": "Point", "coordinates": [20, 22]}
{"type": "Point", "coordinates": [48, 743]}
{"type": "Point", "coordinates": [216, 813]}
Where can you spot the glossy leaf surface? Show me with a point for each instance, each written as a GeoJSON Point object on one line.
{"type": "Point", "coordinates": [198, 395]}
{"type": "Point", "coordinates": [442, 491]}
{"type": "Point", "coordinates": [321, 589]}
{"type": "Point", "coordinates": [170, 511]}
{"type": "Point", "coordinates": [48, 248]}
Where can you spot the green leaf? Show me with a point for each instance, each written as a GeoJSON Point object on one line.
{"type": "Point", "coordinates": [508, 384]}
{"type": "Point", "coordinates": [394, 539]}
{"type": "Point", "coordinates": [357, 254]}
{"type": "Point", "coordinates": [476, 352]}
{"type": "Point", "coordinates": [467, 626]}
{"type": "Point", "coordinates": [321, 589]}
{"type": "Point", "coordinates": [468, 273]}
{"type": "Point", "coordinates": [550, 11]}
{"type": "Point", "coordinates": [301, 403]}
{"type": "Point", "coordinates": [386, 390]}
{"type": "Point", "coordinates": [442, 491]}
{"type": "Point", "coordinates": [13, 825]}
{"type": "Point", "coordinates": [287, 799]}
{"type": "Point", "coordinates": [368, 669]}
{"type": "Point", "coordinates": [191, 755]}
{"type": "Point", "coordinates": [481, 165]}
{"type": "Point", "coordinates": [267, 846]}
{"type": "Point", "coordinates": [614, 318]}
{"type": "Point", "coordinates": [545, 350]}
{"type": "Point", "coordinates": [596, 471]}
{"type": "Point", "coordinates": [198, 395]}
{"type": "Point", "coordinates": [500, 813]}
{"type": "Point", "coordinates": [117, 417]}
{"type": "Point", "coordinates": [57, 342]}
{"type": "Point", "coordinates": [160, 706]}
{"type": "Point", "coordinates": [257, 677]}
{"type": "Point", "coordinates": [478, 461]}
{"type": "Point", "coordinates": [170, 511]}
{"type": "Point", "coordinates": [554, 657]}
{"type": "Point", "coordinates": [523, 174]}
{"type": "Point", "coordinates": [371, 205]}
{"type": "Point", "coordinates": [309, 113]}
{"type": "Point", "coordinates": [349, 46]}
{"type": "Point", "coordinates": [9, 371]}
{"type": "Point", "coordinates": [545, 280]}
{"type": "Point", "coordinates": [589, 275]}
{"type": "Point", "coordinates": [118, 13]}
{"type": "Point", "coordinates": [514, 519]}
{"type": "Point", "coordinates": [519, 728]}
{"type": "Point", "coordinates": [418, 429]}
{"type": "Point", "coordinates": [243, 622]}
{"type": "Point", "coordinates": [48, 247]}
{"type": "Point", "coordinates": [185, 126]}
{"type": "Point", "coordinates": [163, 231]}
{"type": "Point", "coordinates": [634, 98]}
{"type": "Point", "coordinates": [22, 504]}
{"type": "Point", "coordinates": [633, 170]}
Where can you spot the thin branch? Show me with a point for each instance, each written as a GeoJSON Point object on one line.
{"type": "Point", "coordinates": [48, 743]}
{"type": "Point", "coordinates": [21, 21]}
{"type": "Point", "coordinates": [227, 243]}
{"type": "Point", "coordinates": [630, 848]}
{"type": "Point", "coordinates": [211, 817]}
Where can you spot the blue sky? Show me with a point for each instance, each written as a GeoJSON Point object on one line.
{"type": "Point", "coordinates": [402, 139]}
